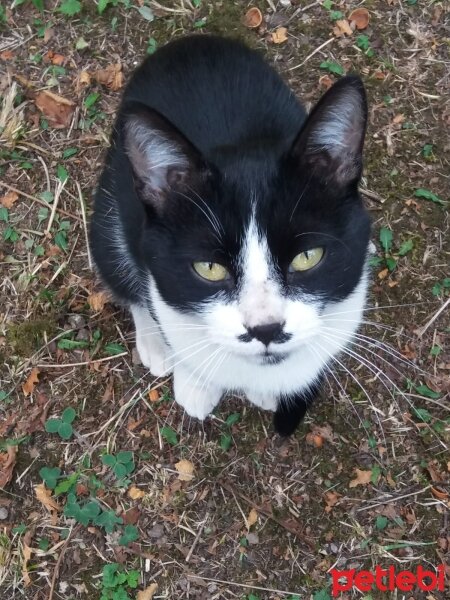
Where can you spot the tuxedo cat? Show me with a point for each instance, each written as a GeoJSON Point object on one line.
{"type": "Point", "coordinates": [229, 222]}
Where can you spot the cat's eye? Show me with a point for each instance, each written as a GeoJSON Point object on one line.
{"type": "Point", "coordinates": [307, 260]}
{"type": "Point", "coordinates": [211, 271]}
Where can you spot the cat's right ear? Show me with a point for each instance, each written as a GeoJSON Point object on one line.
{"type": "Point", "coordinates": [162, 159]}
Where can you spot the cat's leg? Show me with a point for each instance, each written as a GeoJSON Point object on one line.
{"type": "Point", "coordinates": [149, 342]}
{"type": "Point", "coordinates": [264, 401]}
{"type": "Point", "coordinates": [292, 409]}
{"type": "Point", "coordinates": [197, 400]}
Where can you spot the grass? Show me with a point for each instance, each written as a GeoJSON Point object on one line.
{"type": "Point", "coordinates": [100, 508]}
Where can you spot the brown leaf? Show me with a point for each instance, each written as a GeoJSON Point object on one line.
{"type": "Point", "coordinates": [331, 499]}
{"type": "Point", "coordinates": [27, 551]}
{"type": "Point", "coordinates": [362, 478]}
{"type": "Point", "coordinates": [314, 439]}
{"type": "Point", "coordinates": [33, 379]}
{"type": "Point", "coordinates": [111, 77]}
{"type": "Point", "coordinates": [48, 34]}
{"type": "Point", "coordinates": [325, 82]}
{"type": "Point", "coordinates": [82, 80]}
{"type": "Point", "coordinates": [342, 27]}
{"type": "Point", "coordinates": [98, 300]}
{"type": "Point", "coordinates": [279, 35]}
{"type": "Point", "coordinates": [185, 470]}
{"type": "Point", "coordinates": [45, 497]}
{"type": "Point", "coordinates": [383, 274]}
{"type": "Point", "coordinates": [56, 109]}
{"type": "Point", "coordinates": [153, 395]}
{"type": "Point", "coordinates": [252, 518]}
{"type": "Point", "coordinates": [131, 516]}
{"type": "Point", "coordinates": [135, 493]}
{"type": "Point", "coordinates": [253, 18]}
{"type": "Point", "coordinates": [439, 494]}
{"type": "Point", "coordinates": [6, 55]}
{"type": "Point", "coordinates": [148, 593]}
{"type": "Point", "coordinates": [8, 199]}
{"type": "Point", "coordinates": [360, 17]}
{"type": "Point", "coordinates": [7, 462]}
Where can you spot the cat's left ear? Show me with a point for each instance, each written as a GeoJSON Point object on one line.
{"type": "Point", "coordinates": [331, 141]}
{"type": "Point", "coordinates": [162, 159]}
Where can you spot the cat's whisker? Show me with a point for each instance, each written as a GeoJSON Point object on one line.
{"type": "Point", "coordinates": [339, 384]}
{"type": "Point", "coordinates": [209, 209]}
{"type": "Point", "coordinates": [217, 233]}
{"type": "Point", "coordinates": [370, 308]}
{"type": "Point", "coordinates": [379, 373]}
{"type": "Point", "coordinates": [365, 392]}
{"type": "Point", "coordinates": [383, 347]}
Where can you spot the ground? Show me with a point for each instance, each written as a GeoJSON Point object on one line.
{"type": "Point", "coordinates": [125, 491]}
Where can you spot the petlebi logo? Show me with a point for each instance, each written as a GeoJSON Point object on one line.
{"type": "Point", "coordinates": [389, 580]}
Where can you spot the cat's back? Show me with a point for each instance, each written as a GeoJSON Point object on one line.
{"type": "Point", "coordinates": [217, 91]}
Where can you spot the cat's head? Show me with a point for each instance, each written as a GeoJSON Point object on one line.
{"type": "Point", "coordinates": [256, 244]}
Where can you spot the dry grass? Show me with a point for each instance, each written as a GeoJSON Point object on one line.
{"type": "Point", "coordinates": [263, 518]}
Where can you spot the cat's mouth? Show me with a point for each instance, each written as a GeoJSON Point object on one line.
{"type": "Point", "coordinates": [269, 358]}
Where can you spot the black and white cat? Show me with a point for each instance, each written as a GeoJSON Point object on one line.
{"type": "Point", "coordinates": [229, 222]}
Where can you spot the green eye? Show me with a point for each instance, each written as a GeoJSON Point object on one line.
{"type": "Point", "coordinates": [307, 260]}
{"type": "Point", "coordinates": [210, 271]}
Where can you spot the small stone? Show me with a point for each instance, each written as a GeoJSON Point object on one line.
{"type": "Point", "coordinates": [3, 513]}
{"type": "Point", "coordinates": [76, 321]}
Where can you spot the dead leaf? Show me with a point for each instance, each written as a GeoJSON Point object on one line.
{"type": "Point", "coordinates": [314, 439]}
{"type": "Point", "coordinates": [7, 462]}
{"type": "Point", "coordinates": [135, 493]}
{"type": "Point", "coordinates": [326, 82]}
{"type": "Point", "coordinates": [56, 109]}
{"type": "Point", "coordinates": [360, 17]}
{"type": "Point", "coordinates": [48, 34]}
{"type": "Point", "coordinates": [324, 431]}
{"type": "Point", "coordinates": [7, 55]}
{"type": "Point", "coordinates": [148, 593]}
{"type": "Point", "coordinates": [82, 80]}
{"type": "Point", "coordinates": [383, 274]}
{"type": "Point", "coordinates": [185, 470]}
{"type": "Point", "coordinates": [362, 478]}
{"type": "Point", "coordinates": [97, 301]}
{"type": "Point", "coordinates": [439, 494]}
{"type": "Point", "coordinates": [398, 119]}
{"type": "Point", "coordinates": [153, 395]}
{"type": "Point", "coordinates": [33, 379]}
{"type": "Point", "coordinates": [111, 77]}
{"type": "Point", "coordinates": [279, 35]}
{"type": "Point", "coordinates": [342, 27]}
{"type": "Point", "coordinates": [331, 499]}
{"type": "Point", "coordinates": [252, 518]}
{"type": "Point", "coordinates": [27, 551]}
{"type": "Point", "coordinates": [253, 18]}
{"type": "Point", "coordinates": [45, 497]}
{"type": "Point", "coordinates": [8, 199]}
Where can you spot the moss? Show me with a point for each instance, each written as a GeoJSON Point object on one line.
{"type": "Point", "coordinates": [26, 337]}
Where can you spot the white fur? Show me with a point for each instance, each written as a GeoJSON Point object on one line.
{"type": "Point", "coordinates": [207, 358]}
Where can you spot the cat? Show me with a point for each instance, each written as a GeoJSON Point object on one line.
{"type": "Point", "coordinates": [228, 220]}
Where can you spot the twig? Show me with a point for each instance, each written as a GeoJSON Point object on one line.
{"type": "Point", "coordinates": [83, 363]}
{"type": "Point", "coordinates": [38, 200]}
{"type": "Point", "coordinates": [269, 514]}
{"type": "Point", "coordinates": [372, 195]}
{"type": "Point", "coordinates": [58, 562]}
{"type": "Point", "coordinates": [394, 499]}
{"type": "Point", "coordinates": [433, 318]}
{"type": "Point", "coordinates": [243, 585]}
{"type": "Point", "coordinates": [59, 188]}
{"type": "Point", "coordinates": [197, 537]}
{"type": "Point", "coordinates": [312, 54]}
{"type": "Point", "coordinates": [83, 214]}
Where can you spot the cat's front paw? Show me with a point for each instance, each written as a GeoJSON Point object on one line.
{"type": "Point", "coordinates": [197, 401]}
{"type": "Point", "coordinates": [153, 356]}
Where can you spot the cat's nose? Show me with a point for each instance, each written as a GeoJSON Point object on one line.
{"type": "Point", "coordinates": [269, 332]}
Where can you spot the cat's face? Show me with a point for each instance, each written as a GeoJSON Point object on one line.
{"type": "Point", "coordinates": [256, 252]}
